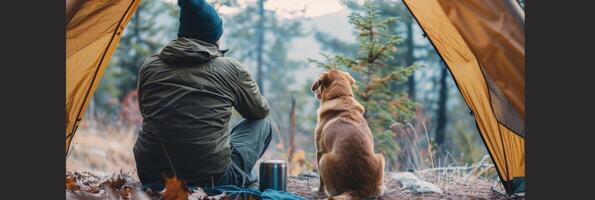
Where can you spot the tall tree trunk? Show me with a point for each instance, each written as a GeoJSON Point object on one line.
{"type": "Point", "coordinates": [259, 48]}
{"type": "Point", "coordinates": [292, 130]}
{"type": "Point", "coordinates": [441, 113]}
{"type": "Point", "coordinates": [409, 58]}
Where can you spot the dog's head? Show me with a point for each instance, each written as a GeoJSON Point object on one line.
{"type": "Point", "coordinates": [332, 84]}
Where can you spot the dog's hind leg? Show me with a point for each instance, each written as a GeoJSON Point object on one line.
{"type": "Point", "coordinates": [378, 184]}
{"type": "Point", "coordinates": [327, 169]}
{"type": "Point", "coordinates": [321, 183]}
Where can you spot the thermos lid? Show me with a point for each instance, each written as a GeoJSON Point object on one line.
{"type": "Point", "coordinates": [274, 161]}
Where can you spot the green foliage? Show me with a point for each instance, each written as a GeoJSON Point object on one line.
{"type": "Point", "coordinates": [372, 68]}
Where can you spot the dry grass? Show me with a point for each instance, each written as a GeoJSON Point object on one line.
{"type": "Point", "coordinates": [108, 149]}
{"type": "Point", "coordinates": [102, 150]}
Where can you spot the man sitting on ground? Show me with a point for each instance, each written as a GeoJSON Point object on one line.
{"type": "Point", "coordinates": [186, 95]}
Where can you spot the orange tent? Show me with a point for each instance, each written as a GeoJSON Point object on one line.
{"type": "Point", "coordinates": [483, 44]}
{"type": "Point", "coordinates": [93, 30]}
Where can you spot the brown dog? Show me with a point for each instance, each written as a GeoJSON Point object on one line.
{"type": "Point", "coordinates": [345, 149]}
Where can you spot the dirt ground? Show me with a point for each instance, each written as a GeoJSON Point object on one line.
{"type": "Point", "coordinates": [474, 188]}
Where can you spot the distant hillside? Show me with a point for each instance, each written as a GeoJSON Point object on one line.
{"type": "Point", "coordinates": [335, 24]}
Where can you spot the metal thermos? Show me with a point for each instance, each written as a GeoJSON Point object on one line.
{"type": "Point", "coordinates": [273, 175]}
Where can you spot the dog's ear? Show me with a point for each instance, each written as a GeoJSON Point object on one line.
{"type": "Point", "coordinates": [316, 85]}
{"type": "Point", "coordinates": [349, 78]}
{"type": "Point", "coordinates": [321, 80]}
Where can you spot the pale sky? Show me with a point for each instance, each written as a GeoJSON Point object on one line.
{"type": "Point", "coordinates": [313, 8]}
{"type": "Point", "coordinates": [289, 8]}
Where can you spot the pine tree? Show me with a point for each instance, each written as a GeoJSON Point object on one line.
{"type": "Point", "coordinates": [374, 72]}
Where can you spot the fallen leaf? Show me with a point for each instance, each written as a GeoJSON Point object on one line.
{"type": "Point", "coordinates": [175, 190]}
{"type": "Point", "coordinates": [71, 183]}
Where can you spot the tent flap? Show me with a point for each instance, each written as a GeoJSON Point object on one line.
{"type": "Point", "coordinates": [92, 34]}
{"type": "Point", "coordinates": [482, 43]}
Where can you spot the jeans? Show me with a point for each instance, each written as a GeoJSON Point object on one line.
{"type": "Point", "coordinates": [249, 140]}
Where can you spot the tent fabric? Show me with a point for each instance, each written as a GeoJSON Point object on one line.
{"type": "Point", "coordinates": [92, 34]}
{"type": "Point", "coordinates": [495, 33]}
{"type": "Point", "coordinates": [482, 43]}
{"type": "Point", "coordinates": [71, 7]}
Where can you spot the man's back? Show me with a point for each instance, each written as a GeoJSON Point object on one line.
{"type": "Point", "coordinates": [186, 96]}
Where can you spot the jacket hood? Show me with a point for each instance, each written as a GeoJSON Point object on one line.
{"type": "Point", "coordinates": [186, 50]}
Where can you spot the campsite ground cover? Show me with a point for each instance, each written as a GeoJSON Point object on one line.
{"type": "Point", "coordinates": [86, 185]}
{"type": "Point", "coordinates": [101, 166]}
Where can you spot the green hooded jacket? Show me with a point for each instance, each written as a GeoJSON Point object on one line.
{"type": "Point", "coordinates": [186, 95]}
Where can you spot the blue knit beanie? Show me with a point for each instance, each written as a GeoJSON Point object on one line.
{"type": "Point", "coordinates": [199, 20]}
